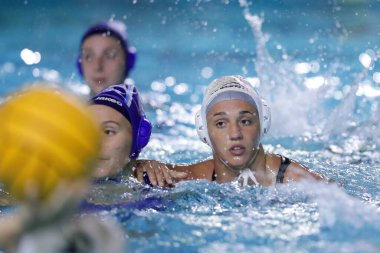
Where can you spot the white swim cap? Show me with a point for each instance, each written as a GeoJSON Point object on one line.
{"type": "Point", "coordinates": [229, 88]}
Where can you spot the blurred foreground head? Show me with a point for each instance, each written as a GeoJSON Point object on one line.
{"type": "Point", "coordinates": [47, 138]}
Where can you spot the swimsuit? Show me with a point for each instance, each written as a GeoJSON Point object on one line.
{"type": "Point", "coordinates": [281, 171]}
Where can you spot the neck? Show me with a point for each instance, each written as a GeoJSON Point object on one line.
{"type": "Point", "coordinates": [225, 172]}
{"type": "Point", "coordinates": [129, 168]}
{"type": "Point", "coordinates": [121, 175]}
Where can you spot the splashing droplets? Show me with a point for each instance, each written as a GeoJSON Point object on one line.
{"type": "Point", "coordinates": [367, 59]}
{"type": "Point", "coordinates": [207, 72]}
{"type": "Point", "coordinates": [376, 77]}
{"type": "Point", "coordinates": [29, 57]}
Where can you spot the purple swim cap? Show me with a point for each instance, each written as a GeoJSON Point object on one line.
{"type": "Point", "coordinates": [124, 98]}
{"type": "Point", "coordinates": [115, 29]}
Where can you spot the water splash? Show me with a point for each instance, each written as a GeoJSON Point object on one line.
{"type": "Point", "coordinates": [201, 215]}
{"type": "Point", "coordinates": [302, 103]}
{"type": "Point", "coordinates": [337, 120]}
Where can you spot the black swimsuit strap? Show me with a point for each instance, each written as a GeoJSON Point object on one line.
{"type": "Point", "coordinates": [213, 177]}
{"type": "Point", "coordinates": [281, 171]}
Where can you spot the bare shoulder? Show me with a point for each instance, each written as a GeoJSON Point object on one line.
{"type": "Point", "coordinates": [295, 171]}
{"type": "Point", "coordinates": [272, 162]}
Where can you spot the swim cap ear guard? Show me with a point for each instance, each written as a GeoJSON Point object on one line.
{"type": "Point", "coordinates": [124, 98]}
{"type": "Point", "coordinates": [231, 85]}
{"type": "Point", "coordinates": [201, 128]}
{"type": "Point", "coordinates": [115, 29]}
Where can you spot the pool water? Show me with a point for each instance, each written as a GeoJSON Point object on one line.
{"type": "Point", "coordinates": [315, 62]}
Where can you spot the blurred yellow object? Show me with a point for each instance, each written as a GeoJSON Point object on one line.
{"type": "Point", "coordinates": [46, 135]}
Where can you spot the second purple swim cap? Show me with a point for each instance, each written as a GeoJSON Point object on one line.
{"type": "Point", "coordinates": [124, 98]}
{"type": "Point", "coordinates": [115, 29]}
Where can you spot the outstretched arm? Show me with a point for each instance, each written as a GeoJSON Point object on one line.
{"type": "Point", "coordinates": [158, 173]}
{"type": "Point", "coordinates": [165, 175]}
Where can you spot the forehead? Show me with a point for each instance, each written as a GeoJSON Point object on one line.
{"type": "Point", "coordinates": [100, 40]}
{"type": "Point", "coordinates": [231, 107]}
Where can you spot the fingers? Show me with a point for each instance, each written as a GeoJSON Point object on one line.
{"type": "Point", "coordinates": [139, 174]}
{"type": "Point", "coordinates": [155, 173]}
{"type": "Point", "coordinates": [166, 177]}
{"type": "Point", "coordinates": [146, 179]}
{"type": "Point", "coordinates": [149, 169]}
{"type": "Point", "coordinates": [145, 172]}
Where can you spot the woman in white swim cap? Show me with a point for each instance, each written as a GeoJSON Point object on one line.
{"type": "Point", "coordinates": [233, 120]}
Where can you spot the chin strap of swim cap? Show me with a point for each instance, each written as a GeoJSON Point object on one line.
{"type": "Point", "coordinates": [246, 176]}
{"type": "Point", "coordinates": [248, 165]}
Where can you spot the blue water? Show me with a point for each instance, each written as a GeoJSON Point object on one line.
{"type": "Point", "coordinates": [316, 62]}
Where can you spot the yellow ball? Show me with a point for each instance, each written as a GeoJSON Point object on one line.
{"type": "Point", "coordinates": [46, 135]}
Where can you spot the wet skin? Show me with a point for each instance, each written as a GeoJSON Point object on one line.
{"type": "Point", "coordinates": [116, 141]}
{"type": "Point", "coordinates": [103, 62]}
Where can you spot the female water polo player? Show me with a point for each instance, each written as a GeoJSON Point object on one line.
{"type": "Point", "coordinates": [125, 131]}
{"type": "Point", "coordinates": [105, 56]}
{"type": "Point", "coordinates": [233, 120]}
